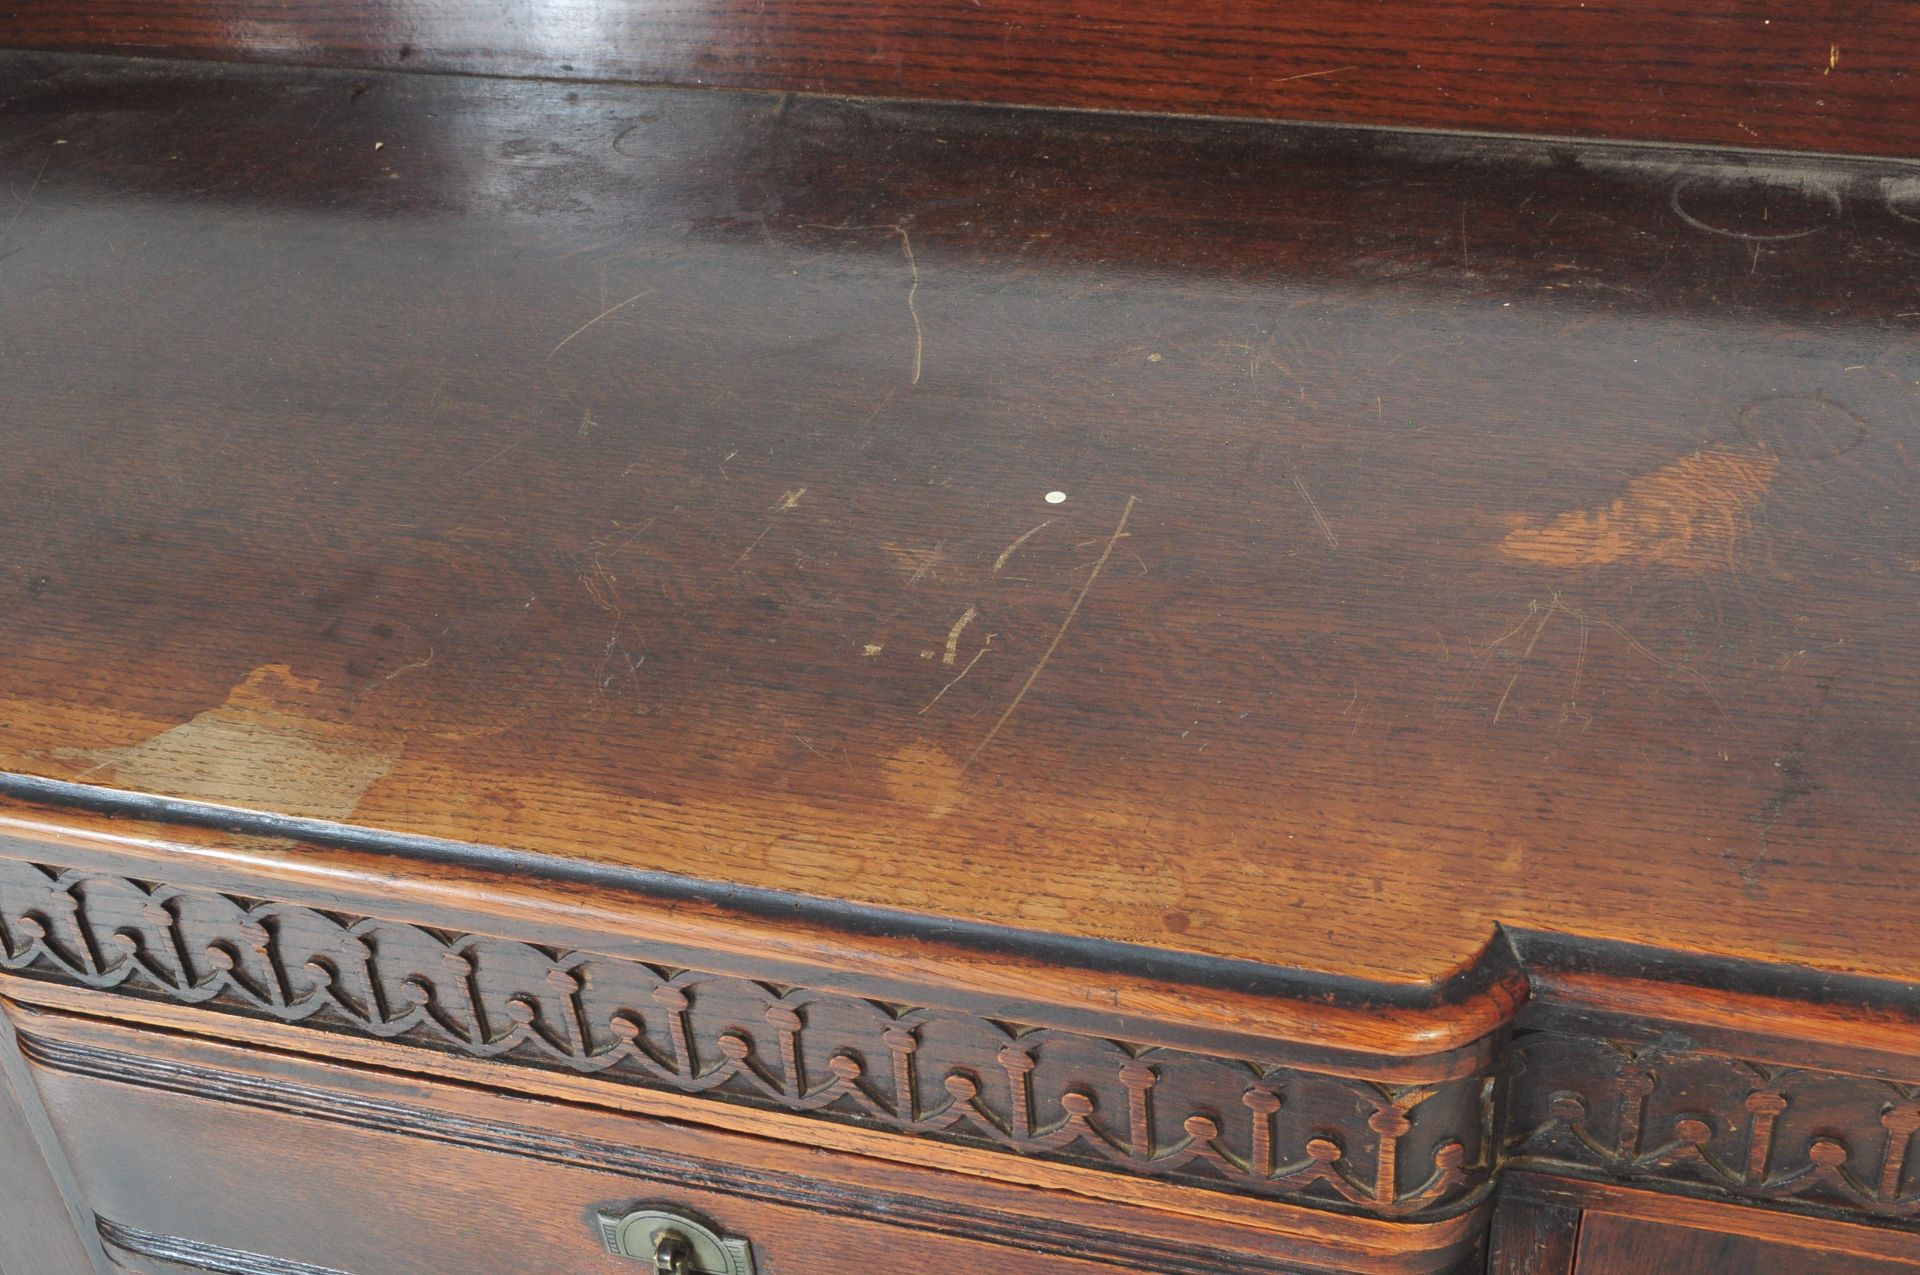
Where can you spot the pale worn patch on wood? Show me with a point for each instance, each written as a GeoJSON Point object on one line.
{"type": "Point", "coordinates": [1691, 514]}
{"type": "Point", "coordinates": [924, 777]}
{"type": "Point", "coordinates": [264, 748]}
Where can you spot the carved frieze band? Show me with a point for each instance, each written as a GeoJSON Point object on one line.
{"type": "Point", "coordinates": [1666, 1114]}
{"type": "Point", "coordinates": [955, 1077]}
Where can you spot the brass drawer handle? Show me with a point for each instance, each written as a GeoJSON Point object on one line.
{"type": "Point", "coordinates": [674, 1242]}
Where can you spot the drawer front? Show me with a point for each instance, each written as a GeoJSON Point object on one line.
{"type": "Point", "coordinates": [177, 1174]}
{"type": "Point", "coordinates": [206, 1155]}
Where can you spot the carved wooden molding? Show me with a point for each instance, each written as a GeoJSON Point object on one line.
{"type": "Point", "coordinates": [1658, 1114]}
{"type": "Point", "coordinates": [1304, 1135]}
{"type": "Point", "coordinates": [1666, 1114]}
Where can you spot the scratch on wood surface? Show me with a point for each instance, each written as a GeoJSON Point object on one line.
{"type": "Point", "coordinates": [1009, 551]}
{"type": "Point", "coordinates": [509, 449]}
{"type": "Point", "coordinates": [1579, 668]}
{"type": "Point", "coordinates": [604, 589]}
{"type": "Point", "coordinates": [21, 201]}
{"type": "Point", "coordinates": [913, 309]}
{"type": "Point", "coordinates": [1538, 616]}
{"type": "Point", "coordinates": [968, 668]}
{"type": "Point", "coordinates": [916, 563]}
{"type": "Point", "coordinates": [791, 500]}
{"type": "Point", "coordinates": [953, 634]}
{"type": "Point", "coordinates": [408, 668]}
{"type": "Point", "coordinates": [913, 283]}
{"type": "Point", "coordinates": [596, 318]}
{"type": "Point", "coordinates": [1333, 541]}
{"type": "Point", "coordinates": [1521, 664]}
{"type": "Point", "coordinates": [1060, 633]}
{"type": "Point", "coordinates": [1314, 75]}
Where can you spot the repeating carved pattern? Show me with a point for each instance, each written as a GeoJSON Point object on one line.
{"type": "Point", "coordinates": [950, 1076]}
{"type": "Point", "coordinates": [1663, 1113]}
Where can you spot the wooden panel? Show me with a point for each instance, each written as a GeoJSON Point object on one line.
{"type": "Point", "coordinates": [1629, 1246]}
{"type": "Point", "coordinates": [1815, 1230]}
{"type": "Point", "coordinates": [191, 1145]}
{"type": "Point", "coordinates": [1821, 74]}
{"type": "Point", "coordinates": [37, 1231]}
{"type": "Point", "coordinates": [604, 473]}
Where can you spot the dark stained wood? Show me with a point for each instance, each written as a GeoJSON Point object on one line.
{"type": "Point", "coordinates": [1455, 533]}
{"type": "Point", "coordinates": [1622, 1246]}
{"type": "Point", "coordinates": [1868, 1244]}
{"type": "Point", "coordinates": [1530, 1237]}
{"type": "Point", "coordinates": [1820, 74]}
{"type": "Point", "coordinates": [962, 686]}
{"type": "Point", "coordinates": [1674, 1113]}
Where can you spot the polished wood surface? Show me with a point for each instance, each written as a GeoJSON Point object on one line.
{"type": "Point", "coordinates": [1816, 75]}
{"type": "Point", "coordinates": [1454, 533]}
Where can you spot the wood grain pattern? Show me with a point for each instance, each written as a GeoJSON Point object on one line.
{"type": "Point", "coordinates": [1820, 75]}
{"type": "Point", "coordinates": [555, 477]}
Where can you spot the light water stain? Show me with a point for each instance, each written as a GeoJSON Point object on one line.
{"type": "Point", "coordinates": [264, 748]}
{"type": "Point", "coordinates": [1691, 515]}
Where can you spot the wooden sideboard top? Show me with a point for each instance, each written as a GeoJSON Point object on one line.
{"type": "Point", "coordinates": [1455, 533]}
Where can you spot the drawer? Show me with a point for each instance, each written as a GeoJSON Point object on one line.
{"type": "Point", "coordinates": [203, 1154]}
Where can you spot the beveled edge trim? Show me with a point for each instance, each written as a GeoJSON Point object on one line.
{"type": "Point", "coordinates": [201, 1257]}
{"type": "Point", "coordinates": [1762, 1011]}
{"type": "Point", "coordinates": [1407, 1031]}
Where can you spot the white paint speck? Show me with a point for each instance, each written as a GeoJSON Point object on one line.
{"type": "Point", "coordinates": [1056, 498]}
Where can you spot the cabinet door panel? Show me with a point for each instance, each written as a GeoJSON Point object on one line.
{"type": "Point", "coordinates": [1629, 1246]}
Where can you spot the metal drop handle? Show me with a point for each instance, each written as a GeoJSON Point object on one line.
{"type": "Point", "coordinates": [672, 1254]}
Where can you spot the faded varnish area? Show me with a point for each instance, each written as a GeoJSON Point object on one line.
{"type": "Point", "coordinates": [1452, 533]}
{"type": "Point", "coordinates": [1692, 514]}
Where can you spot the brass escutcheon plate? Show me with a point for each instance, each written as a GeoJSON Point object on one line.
{"type": "Point", "coordinates": [637, 1234]}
